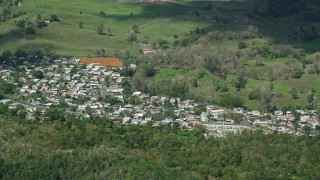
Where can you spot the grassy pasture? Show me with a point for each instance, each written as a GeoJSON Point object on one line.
{"type": "Point", "coordinates": [158, 21]}
{"type": "Point", "coordinates": [66, 38]}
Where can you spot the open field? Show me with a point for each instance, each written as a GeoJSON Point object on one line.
{"type": "Point", "coordinates": [157, 21]}
{"type": "Point", "coordinates": [66, 38]}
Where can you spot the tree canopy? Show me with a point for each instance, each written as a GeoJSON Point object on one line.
{"type": "Point", "coordinates": [97, 148]}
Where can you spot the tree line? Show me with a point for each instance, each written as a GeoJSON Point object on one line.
{"type": "Point", "coordinates": [97, 148]}
{"type": "Point", "coordinates": [308, 9]}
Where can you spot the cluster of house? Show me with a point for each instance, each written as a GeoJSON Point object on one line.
{"type": "Point", "coordinates": [85, 88]}
{"type": "Point", "coordinates": [85, 91]}
{"type": "Point", "coordinates": [68, 79]}
{"type": "Point", "coordinates": [285, 122]}
{"type": "Point", "coordinates": [183, 111]}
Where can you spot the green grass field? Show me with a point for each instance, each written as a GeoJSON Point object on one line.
{"type": "Point", "coordinates": [66, 38]}
{"type": "Point", "coordinates": [158, 21]}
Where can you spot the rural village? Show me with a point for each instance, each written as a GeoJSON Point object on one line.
{"type": "Point", "coordinates": [96, 87]}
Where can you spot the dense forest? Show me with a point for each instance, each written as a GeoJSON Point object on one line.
{"type": "Point", "coordinates": [308, 9]}
{"type": "Point", "coordinates": [97, 149]}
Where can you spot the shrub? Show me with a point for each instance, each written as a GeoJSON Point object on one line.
{"type": "Point", "coordinates": [242, 45]}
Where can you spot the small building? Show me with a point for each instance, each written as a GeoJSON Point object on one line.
{"type": "Point", "coordinates": [278, 113]}
{"type": "Point", "coordinates": [6, 101]}
{"type": "Point", "coordinates": [194, 123]}
{"type": "Point", "coordinates": [239, 110]}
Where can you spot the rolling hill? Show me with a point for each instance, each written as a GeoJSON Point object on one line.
{"type": "Point", "coordinates": [84, 28]}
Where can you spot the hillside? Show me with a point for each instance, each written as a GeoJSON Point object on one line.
{"type": "Point", "coordinates": [75, 32]}
{"type": "Point", "coordinates": [252, 31]}
{"type": "Point", "coordinates": [117, 17]}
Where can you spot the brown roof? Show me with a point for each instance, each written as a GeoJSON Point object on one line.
{"type": "Point", "coordinates": [102, 61]}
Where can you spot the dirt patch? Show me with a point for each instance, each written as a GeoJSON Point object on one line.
{"type": "Point", "coordinates": [114, 62]}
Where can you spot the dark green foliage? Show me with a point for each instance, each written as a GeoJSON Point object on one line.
{"type": "Point", "coordinates": [20, 53]}
{"type": "Point", "coordinates": [30, 31]}
{"type": "Point", "coordinates": [242, 45]}
{"type": "Point", "coordinates": [102, 13]}
{"type": "Point", "coordinates": [109, 32]}
{"type": "Point", "coordinates": [168, 109]}
{"type": "Point", "coordinates": [6, 54]}
{"type": "Point", "coordinates": [164, 44]}
{"type": "Point", "coordinates": [308, 34]}
{"type": "Point", "coordinates": [135, 28]}
{"type": "Point", "coordinates": [271, 108]}
{"type": "Point", "coordinates": [101, 52]}
{"type": "Point", "coordinates": [21, 23]}
{"type": "Point", "coordinates": [312, 13]}
{"type": "Point", "coordinates": [230, 101]}
{"type": "Point", "coordinates": [308, 9]}
{"type": "Point", "coordinates": [62, 104]}
{"type": "Point", "coordinates": [282, 7]}
{"type": "Point", "coordinates": [297, 73]}
{"type": "Point", "coordinates": [127, 89]}
{"type": "Point", "coordinates": [185, 42]}
{"type": "Point", "coordinates": [80, 100]}
{"type": "Point", "coordinates": [213, 65]}
{"type": "Point", "coordinates": [178, 90]}
{"type": "Point", "coordinates": [41, 23]}
{"type": "Point", "coordinates": [6, 88]}
{"type": "Point", "coordinates": [3, 109]}
{"type": "Point", "coordinates": [99, 149]}
{"type": "Point", "coordinates": [132, 37]}
{"type": "Point", "coordinates": [112, 100]}
{"type": "Point", "coordinates": [37, 74]}
{"type": "Point", "coordinates": [39, 53]}
{"type": "Point", "coordinates": [127, 72]}
{"type": "Point", "coordinates": [81, 24]}
{"type": "Point", "coordinates": [294, 93]}
{"type": "Point", "coordinates": [199, 110]}
{"type": "Point", "coordinates": [255, 94]}
{"type": "Point", "coordinates": [240, 81]}
{"type": "Point", "coordinates": [100, 29]}
{"type": "Point", "coordinates": [311, 98]}
{"type": "Point", "coordinates": [5, 13]}
{"type": "Point", "coordinates": [149, 71]}
{"type": "Point", "coordinates": [54, 113]}
{"type": "Point", "coordinates": [54, 17]}
{"type": "Point", "coordinates": [220, 86]}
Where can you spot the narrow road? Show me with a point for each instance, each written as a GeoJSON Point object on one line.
{"type": "Point", "coordinates": [150, 22]}
{"type": "Point", "coordinates": [24, 103]}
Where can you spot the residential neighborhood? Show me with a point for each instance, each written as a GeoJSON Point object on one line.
{"type": "Point", "coordinates": [88, 89]}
